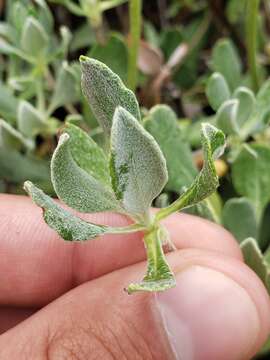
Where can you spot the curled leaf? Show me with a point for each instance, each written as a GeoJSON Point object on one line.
{"type": "Point", "coordinates": [206, 182]}
{"type": "Point", "coordinates": [68, 226]}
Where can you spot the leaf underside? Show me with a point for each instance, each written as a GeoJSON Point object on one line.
{"type": "Point", "coordinates": [213, 142]}
{"type": "Point", "coordinates": [68, 226]}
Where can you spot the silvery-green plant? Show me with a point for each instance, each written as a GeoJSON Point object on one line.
{"type": "Point", "coordinates": [244, 117]}
{"type": "Point", "coordinates": [35, 80]}
{"type": "Point", "coordinates": [125, 180]}
{"type": "Point", "coordinates": [91, 9]}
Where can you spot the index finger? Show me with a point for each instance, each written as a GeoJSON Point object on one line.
{"type": "Point", "coordinates": [37, 266]}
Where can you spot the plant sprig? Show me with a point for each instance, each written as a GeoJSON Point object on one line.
{"type": "Point", "coordinates": [126, 180]}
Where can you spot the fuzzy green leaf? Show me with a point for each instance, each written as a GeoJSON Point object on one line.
{"type": "Point", "coordinates": [66, 89]}
{"type": "Point", "coordinates": [68, 226]}
{"type": "Point", "coordinates": [246, 104]}
{"type": "Point", "coordinates": [206, 182]}
{"type": "Point", "coordinates": [88, 155]}
{"type": "Point", "coordinates": [260, 116]}
{"type": "Point", "coordinates": [8, 103]}
{"type": "Point", "coordinates": [161, 123]}
{"type": "Point", "coordinates": [159, 276]}
{"type": "Point", "coordinates": [217, 90]}
{"type": "Point", "coordinates": [138, 167]}
{"type": "Point", "coordinates": [254, 258]}
{"type": "Point", "coordinates": [226, 61]}
{"type": "Point", "coordinates": [30, 121]}
{"type": "Point", "coordinates": [34, 38]}
{"type": "Point", "coordinates": [239, 218]}
{"type": "Point", "coordinates": [44, 15]}
{"type": "Point", "coordinates": [105, 91]}
{"type": "Point", "coordinates": [11, 138]}
{"type": "Point", "coordinates": [75, 186]}
{"type": "Point", "coordinates": [82, 37]}
{"type": "Point", "coordinates": [17, 14]}
{"type": "Point", "coordinates": [226, 117]}
{"type": "Point", "coordinates": [264, 233]}
{"type": "Point", "coordinates": [251, 175]}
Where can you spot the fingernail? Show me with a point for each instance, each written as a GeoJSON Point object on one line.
{"type": "Point", "coordinates": [208, 316]}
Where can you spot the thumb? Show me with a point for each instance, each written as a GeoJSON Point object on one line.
{"type": "Point", "coordinates": [219, 310]}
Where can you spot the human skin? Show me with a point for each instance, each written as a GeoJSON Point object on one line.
{"type": "Point", "coordinates": [61, 300]}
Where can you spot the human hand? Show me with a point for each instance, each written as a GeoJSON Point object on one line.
{"type": "Point", "coordinates": [71, 294]}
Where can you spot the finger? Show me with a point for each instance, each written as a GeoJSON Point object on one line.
{"type": "Point", "coordinates": [39, 266]}
{"type": "Point", "coordinates": [219, 310]}
{"type": "Point", "coordinates": [10, 317]}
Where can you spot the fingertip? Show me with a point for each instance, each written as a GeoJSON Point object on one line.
{"type": "Point", "coordinates": [204, 313]}
{"type": "Point", "coordinates": [223, 298]}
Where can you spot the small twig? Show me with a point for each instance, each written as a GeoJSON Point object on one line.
{"type": "Point", "coordinates": [40, 95]}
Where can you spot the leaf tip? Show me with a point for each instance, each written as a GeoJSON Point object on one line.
{"type": "Point", "coordinates": [87, 62]}
{"type": "Point", "coordinates": [27, 186]}
{"type": "Point", "coordinates": [63, 139]}
{"type": "Point", "coordinates": [216, 139]}
{"type": "Point", "coordinates": [83, 58]}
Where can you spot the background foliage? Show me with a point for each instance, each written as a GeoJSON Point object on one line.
{"type": "Point", "coordinates": [206, 60]}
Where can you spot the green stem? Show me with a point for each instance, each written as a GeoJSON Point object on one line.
{"type": "Point", "coordinates": [135, 10]}
{"type": "Point", "coordinates": [126, 229]}
{"type": "Point", "coordinates": [175, 206]}
{"type": "Point", "coordinates": [40, 95]}
{"type": "Point", "coordinates": [251, 35]}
